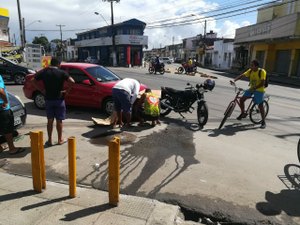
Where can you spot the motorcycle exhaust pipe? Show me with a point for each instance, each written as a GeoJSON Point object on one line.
{"type": "Point", "coordinates": [167, 105]}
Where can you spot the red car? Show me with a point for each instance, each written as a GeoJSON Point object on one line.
{"type": "Point", "coordinates": [92, 88]}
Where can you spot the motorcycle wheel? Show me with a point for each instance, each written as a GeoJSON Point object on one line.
{"type": "Point", "coordinates": [202, 113]}
{"type": "Point", "coordinates": [163, 109]}
{"type": "Point", "coordinates": [151, 70]}
{"type": "Point", "coordinates": [180, 70]}
{"type": "Point", "coordinates": [162, 71]}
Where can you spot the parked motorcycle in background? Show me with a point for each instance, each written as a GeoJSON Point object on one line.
{"type": "Point", "coordinates": [181, 101]}
{"type": "Point", "coordinates": [186, 68]}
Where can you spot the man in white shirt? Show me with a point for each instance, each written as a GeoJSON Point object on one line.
{"type": "Point", "coordinates": [124, 95]}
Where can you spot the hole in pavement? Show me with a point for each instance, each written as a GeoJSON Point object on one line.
{"type": "Point", "coordinates": [192, 215]}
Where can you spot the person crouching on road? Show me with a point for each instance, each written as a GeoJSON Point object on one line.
{"type": "Point", "coordinates": [53, 79]}
{"type": "Point", "coordinates": [124, 94]}
{"type": "Point", "coordinates": [149, 108]}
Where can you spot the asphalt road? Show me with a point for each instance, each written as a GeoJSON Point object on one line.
{"type": "Point", "coordinates": [239, 173]}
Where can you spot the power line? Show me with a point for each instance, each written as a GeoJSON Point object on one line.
{"type": "Point", "coordinates": [191, 21]}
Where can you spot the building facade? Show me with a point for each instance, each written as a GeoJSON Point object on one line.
{"type": "Point", "coordinates": [220, 55]}
{"type": "Point", "coordinates": [275, 39]}
{"type": "Point", "coordinates": [129, 43]}
{"type": "Point", "coordinates": [4, 31]}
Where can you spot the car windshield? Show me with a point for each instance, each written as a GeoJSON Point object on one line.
{"type": "Point", "coordinates": [102, 74]}
{"type": "Point", "coordinates": [7, 61]}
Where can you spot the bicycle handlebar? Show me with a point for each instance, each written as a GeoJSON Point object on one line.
{"type": "Point", "coordinates": [237, 89]}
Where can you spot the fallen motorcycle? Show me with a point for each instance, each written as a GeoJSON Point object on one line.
{"type": "Point", "coordinates": [181, 101]}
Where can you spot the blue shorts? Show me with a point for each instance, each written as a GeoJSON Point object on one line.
{"type": "Point", "coordinates": [56, 109]}
{"type": "Point", "coordinates": [121, 100]}
{"type": "Point", "coordinates": [258, 97]}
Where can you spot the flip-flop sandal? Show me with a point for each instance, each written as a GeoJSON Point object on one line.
{"type": "Point", "coordinates": [61, 143]}
{"type": "Point", "coordinates": [47, 144]}
{"type": "Point", "coordinates": [3, 147]}
{"type": "Point", "coordinates": [19, 150]}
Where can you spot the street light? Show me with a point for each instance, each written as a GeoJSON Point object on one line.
{"type": "Point", "coordinates": [99, 14]}
{"type": "Point", "coordinates": [24, 27]}
{"type": "Point", "coordinates": [112, 30]}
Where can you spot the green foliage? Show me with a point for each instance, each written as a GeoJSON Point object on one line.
{"type": "Point", "coordinates": [42, 41]}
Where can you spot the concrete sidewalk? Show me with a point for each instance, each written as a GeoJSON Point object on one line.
{"type": "Point", "coordinates": [20, 204]}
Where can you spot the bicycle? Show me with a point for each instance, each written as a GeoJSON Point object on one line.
{"type": "Point", "coordinates": [252, 109]}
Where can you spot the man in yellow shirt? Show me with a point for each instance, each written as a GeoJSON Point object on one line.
{"type": "Point", "coordinates": [257, 77]}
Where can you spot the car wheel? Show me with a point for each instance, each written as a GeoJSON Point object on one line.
{"type": "Point", "coordinates": [39, 101]}
{"type": "Point", "coordinates": [19, 79]}
{"type": "Point", "coordinates": [108, 106]}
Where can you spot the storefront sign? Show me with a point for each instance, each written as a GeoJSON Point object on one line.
{"type": "Point", "coordinates": [282, 27]}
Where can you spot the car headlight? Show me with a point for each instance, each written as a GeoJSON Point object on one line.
{"type": "Point", "coordinates": [20, 100]}
{"type": "Point", "coordinates": [31, 71]}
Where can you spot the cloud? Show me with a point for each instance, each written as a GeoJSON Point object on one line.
{"type": "Point", "coordinates": [78, 15]}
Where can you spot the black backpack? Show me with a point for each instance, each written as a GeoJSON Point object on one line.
{"type": "Point", "coordinates": [267, 77]}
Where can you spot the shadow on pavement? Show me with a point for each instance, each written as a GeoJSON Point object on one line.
{"type": "Point", "coordinates": [48, 202]}
{"type": "Point", "coordinates": [72, 112]}
{"type": "Point", "coordinates": [232, 129]}
{"type": "Point", "coordinates": [288, 200]}
{"type": "Point", "coordinates": [86, 212]}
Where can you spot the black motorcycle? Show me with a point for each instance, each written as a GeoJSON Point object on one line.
{"type": "Point", "coordinates": [181, 101]}
{"type": "Point", "coordinates": [159, 68]}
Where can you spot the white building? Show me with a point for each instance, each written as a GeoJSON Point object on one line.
{"type": "Point", "coordinates": [222, 54]}
{"type": "Point", "coordinates": [71, 50]}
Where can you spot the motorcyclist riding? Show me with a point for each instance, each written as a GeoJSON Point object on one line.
{"type": "Point", "coordinates": [156, 64]}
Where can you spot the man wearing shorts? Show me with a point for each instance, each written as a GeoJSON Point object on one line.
{"type": "Point", "coordinates": [53, 79]}
{"type": "Point", "coordinates": [7, 121]}
{"type": "Point", "coordinates": [257, 89]}
{"type": "Point", "coordinates": [124, 94]}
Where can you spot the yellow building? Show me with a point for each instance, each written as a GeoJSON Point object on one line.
{"type": "Point", "coordinates": [275, 39]}
{"type": "Point", "coordinates": [4, 31]}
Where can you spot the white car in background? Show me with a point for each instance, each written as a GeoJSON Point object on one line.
{"type": "Point", "coordinates": [165, 60]}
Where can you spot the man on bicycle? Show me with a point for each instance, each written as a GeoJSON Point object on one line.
{"type": "Point", "coordinates": [257, 77]}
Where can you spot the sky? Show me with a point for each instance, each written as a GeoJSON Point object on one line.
{"type": "Point", "coordinates": [168, 21]}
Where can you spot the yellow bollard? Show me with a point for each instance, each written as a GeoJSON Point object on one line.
{"type": "Point", "coordinates": [114, 171]}
{"type": "Point", "coordinates": [35, 162]}
{"type": "Point", "coordinates": [72, 166]}
{"type": "Point", "coordinates": [42, 159]}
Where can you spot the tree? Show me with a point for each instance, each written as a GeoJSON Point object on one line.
{"type": "Point", "coordinates": [42, 41]}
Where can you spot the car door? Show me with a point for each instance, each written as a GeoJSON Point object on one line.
{"type": "Point", "coordinates": [84, 90]}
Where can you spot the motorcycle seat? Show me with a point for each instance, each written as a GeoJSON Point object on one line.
{"type": "Point", "coordinates": [174, 91]}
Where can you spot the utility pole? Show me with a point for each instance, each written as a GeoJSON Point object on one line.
{"type": "Point", "coordinates": [21, 25]}
{"type": "Point", "coordinates": [24, 33]}
{"type": "Point", "coordinates": [61, 40]}
{"type": "Point", "coordinates": [113, 31]}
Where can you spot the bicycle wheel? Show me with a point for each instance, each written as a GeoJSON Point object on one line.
{"type": "Point", "coordinates": [298, 150]}
{"type": "Point", "coordinates": [202, 113]}
{"type": "Point", "coordinates": [227, 113]}
{"type": "Point", "coordinates": [255, 115]}
{"type": "Point", "coordinates": [292, 173]}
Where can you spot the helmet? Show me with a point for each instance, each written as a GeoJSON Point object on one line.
{"type": "Point", "coordinates": [209, 84]}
